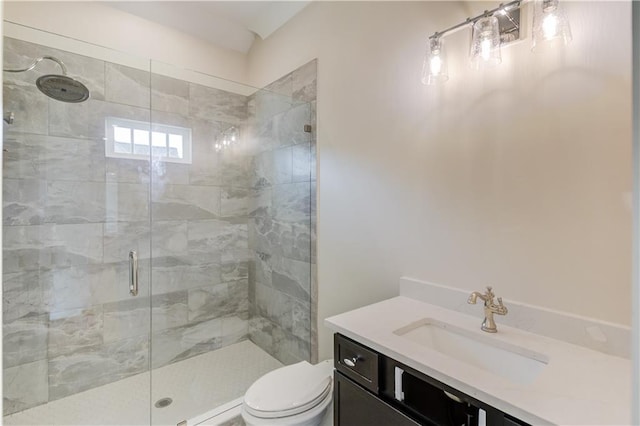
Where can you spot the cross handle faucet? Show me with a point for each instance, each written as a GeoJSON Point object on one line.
{"type": "Point", "coordinates": [490, 308]}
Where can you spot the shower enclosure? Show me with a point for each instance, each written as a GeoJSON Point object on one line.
{"type": "Point", "coordinates": [158, 237]}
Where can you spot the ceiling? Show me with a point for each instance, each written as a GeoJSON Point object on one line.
{"type": "Point", "coordinates": [229, 24]}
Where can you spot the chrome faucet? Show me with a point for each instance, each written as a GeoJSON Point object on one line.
{"type": "Point", "coordinates": [490, 308]}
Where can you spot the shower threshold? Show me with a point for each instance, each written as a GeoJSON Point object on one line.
{"type": "Point", "coordinates": [205, 389]}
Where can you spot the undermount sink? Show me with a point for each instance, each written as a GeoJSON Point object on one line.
{"type": "Point", "coordinates": [512, 362]}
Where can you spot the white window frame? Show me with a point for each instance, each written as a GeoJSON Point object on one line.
{"type": "Point", "coordinates": [185, 132]}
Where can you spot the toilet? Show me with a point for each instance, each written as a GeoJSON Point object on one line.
{"type": "Point", "coordinates": [294, 395]}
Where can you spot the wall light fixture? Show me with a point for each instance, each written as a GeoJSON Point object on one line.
{"type": "Point", "coordinates": [434, 69]}
{"type": "Point", "coordinates": [485, 43]}
{"type": "Point", "coordinates": [491, 30]}
{"type": "Point", "coordinates": [227, 139]}
{"type": "Point", "coordinates": [550, 23]}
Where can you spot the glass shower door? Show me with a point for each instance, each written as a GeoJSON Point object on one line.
{"type": "Point", "coordinates": [200, 187]}
{"type": "Point", "coordinates": [76, 222]}
{"type": "Point", "coordinates": [231, 198]}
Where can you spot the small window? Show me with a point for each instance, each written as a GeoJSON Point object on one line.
{"type": "Point", "coordinates": [137, 140]}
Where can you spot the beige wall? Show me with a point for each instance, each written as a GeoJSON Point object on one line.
{"type": "Point", "coordinates": [96, 23]}
{"type": "Point", "coordinates": [519, 177]}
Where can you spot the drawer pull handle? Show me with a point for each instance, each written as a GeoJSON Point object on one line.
{"type": "Point", "coordinates": [350, 362]}
{"type": "Point", "coordinates": [398, 392]}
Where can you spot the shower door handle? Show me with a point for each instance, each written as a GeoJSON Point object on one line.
{"type": "Point", "coordinates": [133, 273]}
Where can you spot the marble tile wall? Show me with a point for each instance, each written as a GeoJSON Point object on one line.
{"type": "Point", "coordinates": [71, 216]}
{"type": "Point", "coordinates": [282, 217]}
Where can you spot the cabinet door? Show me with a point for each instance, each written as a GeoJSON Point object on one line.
{"type": "Point", "coordinates": [354, 406]}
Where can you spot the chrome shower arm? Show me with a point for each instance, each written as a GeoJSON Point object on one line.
{"type": "Point", "coordinates": [37, 61]}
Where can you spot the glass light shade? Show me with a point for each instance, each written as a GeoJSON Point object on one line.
{"type": "Point", "coordinates": [434, 69]}
{"type": "Point", "coordinates": [485, 45]}
{"type": "Point", "coordinates": [550, 23]}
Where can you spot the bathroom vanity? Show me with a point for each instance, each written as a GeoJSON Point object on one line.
{"type": "Point", "coordinates": [404, 361]}
{"type": "Point", "coordinates": [373, 389]}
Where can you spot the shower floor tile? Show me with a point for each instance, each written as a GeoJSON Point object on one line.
{"type": "Point", "coordinates": [195, 385]}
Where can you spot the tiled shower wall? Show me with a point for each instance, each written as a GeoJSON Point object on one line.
{"type": "Point", "coordinates": [71, 215]}
{"type": "Point", "coordinates": [282, 227]}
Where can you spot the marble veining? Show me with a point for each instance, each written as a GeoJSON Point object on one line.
{"type": "Point", "coordinates": [234, 202]}
{"type": "Point", "coordinates": [304, 81]}
{"type": "Point", "coordinates": [180, 273]}
{"type": "Point", "coordinates": [72, 330]}
{"type": "Point", "coordinates": [266, 104]}
{"type": "Point", "coordinates": [169, 310]}
{"type": "Point", "coordinates": [128, 86]}
{"type": "Point", "coordinates": [25, 339]}
{"type": "Point", "coordinates": [126, 318]}
{"type": "Point", "coordinates": [93, 366]}
{"type": "Point", "coordinates": [169, 94]}
{"type": "Point", "coordinates": [24, 293]}
{"type": "Point", "coordinates": [24, 386]}
{"type": "Point", "coordinates": [180, 202]}
{"type": "Point", "coordinates": [22, 201]}
{"type": "Point", "coordinates": [289, 126]}
{"type": "Point", "coordinates": [235, 269]}
{"type": "Point", "coordinates": [30, 108]}
{"type": "Point", "coordinates": [216, 104]}
{"type": "Point", "coordinates": [281, 228]}
{"type": "Point", "coordinates": [291, 202]}
{"type": "Point", "coordinates": [302, 162]}
{"type": "Point", "coordinates": [283, 346]}
{"type": "Point", "coordinates": [69, 119]}
{"type": "Point", "coordinates": [288, 239]}
{"type": "Point", "coordinates": [179, 343]}
{"type": "Point", "coordinates": [119, 238]}
{"type": "Point", "coordinates": [291, 277]}
{"type": "Point", "coordinates": [51, 245]}
{"type": "Point", "coordinates": [229, 238]}
{"type": "Point", "coordinates": [43, 157]}
{"type": "Point", "coordinates": [86, 285]}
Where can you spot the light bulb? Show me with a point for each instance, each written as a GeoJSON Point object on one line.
{"type": "Point", "coordinates": [550, 26]}
{"type": "Point", "coordinates": [485, 44]}
{"type": "Point", "coordinates": [485, 49]}
{"type": "Point", "coordinates": [434, 68]}
{"type": "Point", "coordinates": [550, 23]}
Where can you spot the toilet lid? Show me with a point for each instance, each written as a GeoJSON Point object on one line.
{"type": "Point", "coordinates": [288, 390]}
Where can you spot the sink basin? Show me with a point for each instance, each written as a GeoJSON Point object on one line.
{"type": "Point", "coordinates": [512, 362]}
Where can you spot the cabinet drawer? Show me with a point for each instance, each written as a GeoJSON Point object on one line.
{"type": "Point", "coordinates": [354, 406]}
{"type": "Point", "coordinates": [356, 362]}
{"type": "Point", "coordinates": [510, 421]}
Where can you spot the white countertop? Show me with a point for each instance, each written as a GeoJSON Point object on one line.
{"type": "Point", "coordinates": [578, 386]}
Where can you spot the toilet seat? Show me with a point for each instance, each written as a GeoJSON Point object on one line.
{"type": "Point", "coordinates": [288, 391]}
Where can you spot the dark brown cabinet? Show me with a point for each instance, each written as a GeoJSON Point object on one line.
{"type": "Point", "coordinates": [355, 406]}
{"type": "Point", "coordinates": [372, 389]}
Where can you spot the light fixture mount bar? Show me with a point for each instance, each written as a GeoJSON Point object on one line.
{"type": "Point", "coordinates": [470, 21]}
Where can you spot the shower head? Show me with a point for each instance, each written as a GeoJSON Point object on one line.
{"type": "Point", "coordinates": [62, 88]}
{"type": "Point", "coordinates": [59, 87]}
